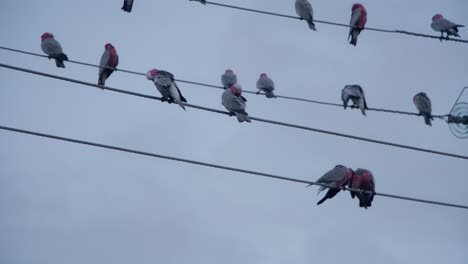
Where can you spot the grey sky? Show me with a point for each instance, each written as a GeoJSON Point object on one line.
{"type": "Point", "coordinates": [65, 203]}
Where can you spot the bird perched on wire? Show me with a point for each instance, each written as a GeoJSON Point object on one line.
{"type": "Point", "coordinates": [339, 177]}
{"type": "Point", "coordinates": [440, 24]}
{"type": "Point", "coordinates": [363, 180]}
{"type": "Point", "coordinates": [127, 6]}
{"type": "Point", "coordinates": [53, 49]}
{"type": "Point", "coordinates": [357, 23]}
{"type": "Point", "coordinates": [228, 79]}
{"type": "Point", "coordinates": [356, 94]}
{"type": "Point", "coordinates": [424, 106]}
{"type": "Point", "coordinates": [266, 85]}
{"type": "Point", "coordinates": [109, 60]}
{"type": "Point", "coordinates": [234, 102]}
{"type": "Point", "coordinates": [166, 85]}
{"type": "Point", "coordinates": [305, 11]}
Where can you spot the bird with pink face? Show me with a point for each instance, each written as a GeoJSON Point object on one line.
{"type": "Point", "coordinates": [234, 102]}
{"type": "Point", "coordinates": [363, 180]}
{"type": "Point", "coordinates": [53, 49]}
{"type": "Point", "coordinates": [357, 23]}
{"type": "Point", "coordinates": [338, 177]}
{"type": "Point", "coordinates": [109, 60]}
{"type": "Point", "coordinates": [166, 85]}
{"type": "Point", "coordinates": [266, 85]}
{"type": "Point", "coordinates": [443, 25]}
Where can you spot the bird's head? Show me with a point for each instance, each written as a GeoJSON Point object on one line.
{"type": "Point", "coordinates": [356, 5]}
{"type": "Point", "coordinates": [263, 75]}
{"type": "Point", "coordinates": [229, 71]}
{"type": "Point", "coordinates": [236, 89]}
{"type": "Point", "coordinates": [437, 17]}
{"type": "Point", "coordinates": [108, 46]}
{"type": "Point", "coordinates": [46, 36]}
{"type": "Point", "coordinates": [151, 74]}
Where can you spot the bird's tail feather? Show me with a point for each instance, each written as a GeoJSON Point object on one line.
{"type": "Point", "coordinates": [312, 25]}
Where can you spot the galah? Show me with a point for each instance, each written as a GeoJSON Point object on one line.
{"type": "Point", "coordinates": [356, 94]}
{"type": "Point", "coordinates": [339, 177]}
{"type": "Point", "coordinates": [266, 85]}
{"type": "Point", "coordinates": [357, 23]}
{"type": "Point", "coordinates": [127, 6]}
{"type": "Point", "coordinates": [234, 102]}
{"type": "Point", "coordinates": [53, 49]}
{"type": "Point", "coordinates": [439, 23]}
{"type": "Point", "coordinates": [228, 79]}
{"type": "Point", "coordinates": [424, 106]}
{"type": "Point", "coordinates": [109, 60]}
{"type": "Point", "coordinates": [363, 180]}
{"type": "Point", "coordinates": [166, 85]}
{"type": "Point", "coordinates": [305, 11]}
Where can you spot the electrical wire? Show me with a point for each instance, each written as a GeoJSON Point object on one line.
{"type": "Point", "coordinates": [206, 164]}
{"type": "Point", "coordinates": [251, 117]}
{"type": "Point", "coordinates": [442, 117]}
{"type": "Point", "coordinates": [336, 24]}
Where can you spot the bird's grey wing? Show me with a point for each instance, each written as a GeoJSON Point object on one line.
{"type": "Point", "coordinates": [51, 46]}
{"type": "Point", "coordinates": [104, 61]}
{"type": "Point", "coordinates": [163, 79]}
{"type": "Point", "coordinates": [443, 24]}
{"type": "Point", "coordinates": [354, 19]}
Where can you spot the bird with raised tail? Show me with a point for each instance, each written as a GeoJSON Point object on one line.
{"type": "Point", "coordinates": [305, 11]}
{"type": "Point", "coordinates": [338, 177]}
{"type": "Point", "coordinates": [357, 23]}
{"type": "Point", "coordinates": [166, 85]}
{"type": "Point", "coordinates": [228, 79]}
{"type": "Point", "coordinates": [363, 180]}
{"type": "Point", "coordinates": [356, 94]}
{"type": "Point", "coordinates": [441, 24]}
{"type": "Point", "coordinates": [234, 102]}
{"type": "Point", "coordinates": [53, 49]}
{"type": "Point", "coordinates": [424, 106]}
{"type": "Point", "coordinates": [108, 64]}
{"type": "Point", "coordinates": [127, 6]}
{"type": "Point", "coordinates": [266, 85]}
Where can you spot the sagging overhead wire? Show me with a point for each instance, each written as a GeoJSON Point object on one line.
{"type": "Point", "coordinates": [442, 117]}
{"type": "Point", "coordinates": [334, 23]}
{"type": "Point", "coordinates": [206, 164]}
{"type": "Point", "coordinates": [284, 124]}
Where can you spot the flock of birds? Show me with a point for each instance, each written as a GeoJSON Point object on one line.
{"type": "Point", "coordinates": [232, 99]}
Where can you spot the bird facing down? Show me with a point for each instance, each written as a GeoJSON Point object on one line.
{"type": "Point", "coordinates": [356, 94]}
{"type": "Point", "coordinates": [53, 49]}
{"type": "Point", "coordinates": [234, 102]}
{"type": "Point", "coordinates": [440, 24]}
{"type": "Point", "coordinates": [424, 106]}
{"type": "Point", "coordinates": [357, 23]}
{"type": "Point", "coordinates": [340, 176]}
{"type": "Point", "coordinates": [127, 6]}
{"type": "Point", "coordinates": [305, 11]}
{"type": "Point", "coordinates": [109, 61]}
{"type": "Point", "coordinates": [166, 85]}
{"type": "Point", "coordinates": [363, 180]}
{"type": "Point", "coordinates": [266, 85]}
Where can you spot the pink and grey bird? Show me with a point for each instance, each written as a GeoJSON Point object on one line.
{"type": "Point", "coordinates": [357, 23]}
{"type": "Point", "coordinates": [109, 61]}
{"type": "Point", "coordinates": [440, 24]}
{"type": "Point", "coordinates": [127, 6]}
{"type": "Point", "coordinates": [53, 49]}
{"type": "Point", "coordinates": [166, 85]}
{"type": "Point", "coordinates": [424, 106]}
{"type": "Point", "coordinates": [228, 79]}
{"type": "Point", "coordinates": [363, 180]}
{"type": "Point", "coordinates": [234, 102]}
{"type": "Point", "coordinates": [266, 85]}
{"type": "Point", "coordinates": [356, 94]}
{"type": "Point", "coordinates": [338, 177]}
{"type": "Point", "coordinates": [305, 11]}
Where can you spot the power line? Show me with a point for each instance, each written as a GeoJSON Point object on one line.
{"type": "Point", "coordinates": [252, 118]}
{"type": "Point", "coordinates": [206, 164]}
{"type": "Point", "coordinates": [442, 117]}
{"type": "Point", "coordinates": [336, 24]}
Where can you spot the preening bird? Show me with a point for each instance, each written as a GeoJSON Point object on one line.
{"type": "Point", "coordinates": [339, 177]}
{"type": "Point", "coordinates": [166, 85]}
{"type": "Point", "coordinates": [363, 180]}
{"type": "Point", "coordinates": [234, 102]}
{"type": "Point", "coordinates": [356, 94]}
